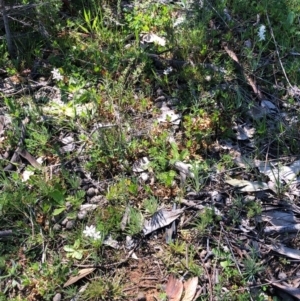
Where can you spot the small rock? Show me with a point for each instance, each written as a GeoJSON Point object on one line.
{"type": "Point", "coordinates": [57, 297]}
{"type": "Point", "coordinates": [91, 192]}
{"type": "Point", "coordinates": [57, 227]}
{"type": "Point", "coordinates": [68, 206]}
{"type": "Point", "coordinates": [70, 224]}
{"type": "Point", "coordinates": [88, 207]}
{"type": "Point", "coordinates": [82, 214]}
{"type": "Point", "coordinates": [98, 199]}
{"type": "Point", "coordinates": [282, 276]}
{"type": "Point", "coordinates": [64, 222]}
{"type": "Point", "coordinates": [141, 297]}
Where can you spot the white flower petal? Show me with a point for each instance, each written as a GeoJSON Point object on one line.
{"type": "Point", "coordinates": [262, 33]}
{"type": "Point", "coordinates": [56, 75]}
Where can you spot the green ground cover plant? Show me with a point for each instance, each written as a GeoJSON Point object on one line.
{"type": "Point", "coordinates": [140, 140]}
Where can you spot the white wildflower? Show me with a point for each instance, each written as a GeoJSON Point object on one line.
{"type": "Point", "coordinates": [262, 33]}
{"type": "Point", "coordinates": [56, 75]}
{"type": "Point", "coordinates": [90, 231]}
{"type": "Point", "coordinates": [168, 70]}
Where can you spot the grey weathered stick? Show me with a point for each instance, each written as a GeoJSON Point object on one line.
{"type": "Point", "coordinates": [6, 233]}
{"type": "Point", "coordinates": [7, 30]}
{"type": "Point", "coordinates": [282, 229]}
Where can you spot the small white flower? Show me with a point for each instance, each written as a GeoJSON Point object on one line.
{"type": "Point", "coordinates": [262, 33]}
{"type": "Point", "coordinates": [56, 75]}
{"type": "Point", "coordinates": [91, 232]}
{"type": "Point", "coordinates": [97, 235]}
{"type": "Point", "coordinates": [168, 70]}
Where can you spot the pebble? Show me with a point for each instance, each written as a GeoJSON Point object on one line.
{"type": "Point", "coordinates": [70, 224]}
{"type": "Point", "coordinates": [282, 276]}
{"type": "Point", "coordinates": [64, 222]}
{"type": "Point", "coordinates": [82, 214]}
{"type": "Point", "coordinates": [56, 227]}
{"type": "Point", "coordinates": [141, 297]}
{"type": "Point", "coordinates": [68, 206]}
{"type": "Point", "coordinates": [91, 192]}
{"type": "Point", "coordinates": [98, 199]}
{"type": "Point", "coordinates": [57, 297]}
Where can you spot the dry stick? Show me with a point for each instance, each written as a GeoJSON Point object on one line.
{"type": "Point", "coordinates": [16, 156]}
{"type": "Point", "coordinates": [7, 30]}
{"type": "Point", "coordinates": [233, 256]}
{"type": "Point", "coordinates": [209, 279]}
{"type": "Point", "coordinates": [250, 81]}
{"type": "Point", "coordinates": [6, 233]}
{"type": "Point", "coordinates": [277, 51]}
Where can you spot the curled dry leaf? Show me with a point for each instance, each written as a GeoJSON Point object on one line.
{"type": "Point", "coordinates": [141, 165]}
{"type": "Point", "coordinates": [153, 38]}
{"type": "Point", "coordinates": [174, 289]}
{"type": "Point", "coordinates": [161, 219]}
{"type": "Point", "coordinates": [190, 287]}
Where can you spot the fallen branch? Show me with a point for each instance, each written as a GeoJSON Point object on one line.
{"type": "Point", "coordinates": [6, 233]}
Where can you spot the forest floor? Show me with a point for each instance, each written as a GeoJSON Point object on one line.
{"type": "Point", "coordinates": [150, 151]}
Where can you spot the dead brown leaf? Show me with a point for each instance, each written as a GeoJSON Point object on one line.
{"type": "Point", "coordinates": [190, 287]}
{"type": "Point", "coordinates": [174, 289]}
{"type": "Point", "coordinates": [81, 274]}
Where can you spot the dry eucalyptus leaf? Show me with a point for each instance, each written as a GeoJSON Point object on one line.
{"type": "Point", "coordinates": [169, 115]}
{"type": "Point", "coordinates": [282, 229]}
{"type": "Point", "coordinates": [81, 274]}
{"type": "Point", "coordinates": [174, 289]}
{"type": "Point", "coordinates": [244, 132]}
{"type": "Point", "coordinates": [283, 250]}
{"type": "Point", "coordinates": [184, 168]}
{"type": "Point", "coordinates": [293, 291]}
{"type": "Point", "coordinates": [190, 287]}
{"type": "Point", "coordinates": [153, 38]}
{"type": "Point", "coordinates": [247, 186]}
{"type": "Point", "coordinates": [279, 218]}
{"type": "Point", "coordinates": [161, 219]}
{"type": "Point", "coordinates": [111, 243]}
{"type": "Point", "coordinates": [141, 165]}
{"type": "Point", "coordinates": [67, 140]}
{"type": "Point", "coordinates": [288, 174]}
{"type": "Point", "coordinates": [271, 108]}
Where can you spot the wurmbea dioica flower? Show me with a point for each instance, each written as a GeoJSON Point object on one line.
{"type": "Point", "coordinates": [262, 33]}
{"type": "Point", "coordinates": [90, 231]}
{"type": "Point", "coordinates": [56, 74]}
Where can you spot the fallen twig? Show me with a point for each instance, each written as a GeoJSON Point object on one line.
{"type": "Point", "coordinates": [6, 233]}
{"type": "Point", "coordinates": [251, 82]}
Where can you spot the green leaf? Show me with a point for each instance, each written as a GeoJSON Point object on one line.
{"type": "Point", "coordinates": [290, 18]}
{"type": "Point", "coordinates": [225, 264]}
{"type": "Point", "coordinates": [77, 244]}
{"type": "Point", "coordinates": [58, 211]}
{"type": "Point", "coordinates": [69, 249]}
{"type": "Point", "coordinates": [77, 254]}
{"type": "Point", "coordinates": [84, 29]}
{"type": "Point", "coordinates": [57, 196]}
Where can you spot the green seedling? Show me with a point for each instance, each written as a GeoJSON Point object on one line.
{"type": "Point", "coordinates": [74, 251]}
